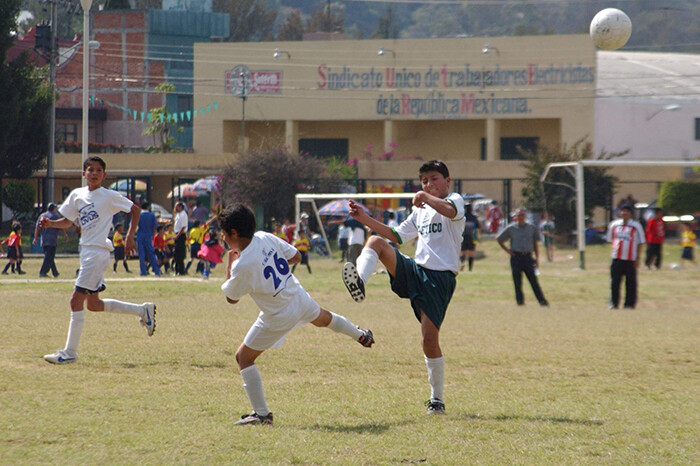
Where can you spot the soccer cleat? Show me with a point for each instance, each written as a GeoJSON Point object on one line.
{"type": "Point", "coordinates": [60, 357]}
{"type": "Point", "coordinates": [366, 339]}
{"type": "Point", "coordinates": [435, 406]}
{"type": "Point", "coordinates": [254, 419]}
{"type": "Point", "coordinates": [353, 282]}
{"type": "Point", "coordinates": [148, 319]}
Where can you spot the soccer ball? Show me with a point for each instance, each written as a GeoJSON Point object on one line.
{"type": "Point", "coordinates": [675, 267]}
{"type": "Point", "coordinates": [610, 29]}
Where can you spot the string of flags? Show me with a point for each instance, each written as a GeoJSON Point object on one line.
{"type": "Point", "coordinates": [143, 116]}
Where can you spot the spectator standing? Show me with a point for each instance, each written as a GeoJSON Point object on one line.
{"type": "Point", "coordinates": [356, 239]}
{"type": "Point", "coordinates": [278, 232]}
{"type": "Point", "coordinates": [14, 250]}
{"type": "Point", "coordinates": [196, 238]}
{"type": "Point", "coordinates": [547, 232]}
{"type": "Point", "coordinates": [200, 212]}
{"type": "Point", "coordinates": [343, 235]}
{"type": "Point", "coordinates": [148, 226]}
{"type": "Point", "coordinates": [180, 229]}
{"type": "Point", "coordinates": [49, 242]}
{"type": "Point", "coordinates": [303, 245]}
{"type": "Point", "coordinates": [494, 215]}
{"type": "Point", "coordinates": [211, 252]}
{"type": "Point", "coordinates": [288, 230]}
{"type": "Point", "coordinates": [655, 236]}
{"type": "Point", "coordinates": [627, 238]}
{"type": "Point", "coordinates": [472, 231]}
{"type": "Point", "coordinates": [523, 238]}
{"type": "Point", "coordinates": [118, 245]}
{"type": "Point", "coordinates": [688, 241]}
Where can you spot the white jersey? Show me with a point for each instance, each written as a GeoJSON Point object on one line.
{"type": "Point", "coordinates": [262, 271]}
{"type": "Point", "coordinates": [92, 211]}
{"type": "Point", "coordinates": [439, 237]}
{"type": "Point", "coordinates": [625, 239]}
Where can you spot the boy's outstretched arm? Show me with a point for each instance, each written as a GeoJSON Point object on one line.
{"type": "Point", "coordinates": [421, 199]}
{"type": "Point", "coordinates": [129, 243]}
{"type": "Point", "coordinates": [62, 223]}
{"type": "Point", "coordinates": [359, 214]}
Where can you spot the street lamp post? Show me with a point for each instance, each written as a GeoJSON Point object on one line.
{"type": "Point", "coordinates": [243, 98]}
{"type": "Point", "coordinates": [86, 4]}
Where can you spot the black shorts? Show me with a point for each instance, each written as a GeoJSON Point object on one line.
{"type": "Point", "coordinates": [468, 243]}
{"type": "Point", "coordinates": [119, 253]}
{"type": "Point", "coordinates": [12, 253]}
{"type": "Point", "coordinates": [304, 257]}
{"type": "Point", "coordinates": [428, 290]}
{"type": "Point", "coordinates": [687, 253]}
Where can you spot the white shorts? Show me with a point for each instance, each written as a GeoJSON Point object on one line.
{"type": "Point", "coordinates": [93, 263]}
{"type": "Point", "coordinates": [269, 331]}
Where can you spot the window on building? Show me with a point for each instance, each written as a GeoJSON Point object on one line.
{"type": "Point", "coordinates": [483, 149]}
{"type": "Point", "coordinates": [324, 147]}
{"type": "Point", "coordinates": [512, 148]}
{"type": "Point", "coordinates": [697, 129]}
{"type": "Point", "coordinates": [184, 104]}
{"type": "Point", "coordinates": [66, 131]}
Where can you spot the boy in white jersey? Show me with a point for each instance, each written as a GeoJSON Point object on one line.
{"type": "Point", "coordinates": [429, 279]}
{"type": "Point", "coordinates": [92, 208]}
{"type": "Point", "coordinates": [259, 265]}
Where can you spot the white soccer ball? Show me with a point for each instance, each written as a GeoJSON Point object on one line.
{"type": "Point", "coordinates": [675, 267]}
{"type": "Point", "coordinates": [610, 29]}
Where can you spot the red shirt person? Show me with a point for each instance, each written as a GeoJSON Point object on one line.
{"type": "Point", "coordinates": [655, 236]}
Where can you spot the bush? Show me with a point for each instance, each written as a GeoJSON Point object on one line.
{"type": "Point", "coordinates": [679, 197]}
{"type": "Point", "coordinates": [19, 197]}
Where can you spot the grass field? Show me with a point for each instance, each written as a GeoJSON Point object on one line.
{"type": "Point", "coordinates": [571, 384]}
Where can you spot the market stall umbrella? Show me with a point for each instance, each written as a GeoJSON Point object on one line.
{"type": "Point", "coordinates": [209, 184]}
{"type": "Point", "coordinates": [184, 190]}
{"type": "Point", "coordinates": [338, 208]}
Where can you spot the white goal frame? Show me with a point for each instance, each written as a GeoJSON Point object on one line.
{"type": "Point", "coordinates": [311, 198]}
{"type": "Point", "coordinates": [580, 210]}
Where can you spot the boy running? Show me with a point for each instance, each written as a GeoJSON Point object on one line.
{"type": "Point", "coordinates": [92, 207]}
{"type": "Point", "coordinates": [259, 265]}
{"type": "Point", "coordinates": [429, 279]}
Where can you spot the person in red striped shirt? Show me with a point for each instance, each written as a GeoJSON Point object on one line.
{"type": "Point", "coordinates": [627, 238]}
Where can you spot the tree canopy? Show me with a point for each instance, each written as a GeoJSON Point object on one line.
{"type": "Point", "coordinates": [26, 101]}
{"type": "Point", "coordinates": [558, 193]}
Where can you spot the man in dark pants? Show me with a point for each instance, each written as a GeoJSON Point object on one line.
{"type": "Point", "coordinates": [49, 241]}
{"type": "Point", "coordinates": [180, 229]}
{"type": "Point", "coordinates": [523, 238]}
{"type": "Point", "coordinates": [627, 238]}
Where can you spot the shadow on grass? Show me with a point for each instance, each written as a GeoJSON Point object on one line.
{"type": "Point", "coordinates": [371, 428]}
{"type": "Point", "coordinates": [552, 419]}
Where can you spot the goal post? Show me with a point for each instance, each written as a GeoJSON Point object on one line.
{"type": "Point", "coordinates": [580, 194]}
{"type": "Point", "coordinates": [312, 198]}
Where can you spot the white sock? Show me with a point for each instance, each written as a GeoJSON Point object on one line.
{"type": "Point", "coordinates": [367, 263]}
{"type": "Point", "coordinates": [75, 329]}
{"type": "Point", "coordinates": [121, 307]}
{"type": "Point", "coordinates": [342, 325]}
{"type": "Point", "coordinates": [253, 387]}
{"type": "Point", "coordinates": [436, 376]}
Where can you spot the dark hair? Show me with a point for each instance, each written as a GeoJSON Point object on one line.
{"type": "Point", "coordinates": [145, 205]}
{"type": "Point", "coordinates": [434, 166]}
{"type": "Point", "coordinates": [237, 217]}
{"type": "Point", "coordinates": [467, 208]}
{"type": "Point", "coordinates": [16, 227]}
{"type": "Point", "coordinates": [94, 158]}
{"type": "Point", "coordinates": [196, 223]}
{"type": "Point", "coordinates": [159, 228]}
{"type": "Point", "coordinates": [118, 225]}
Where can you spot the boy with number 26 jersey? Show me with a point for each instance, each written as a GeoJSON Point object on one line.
{"type": "Point", "coordinates": [259, 264]}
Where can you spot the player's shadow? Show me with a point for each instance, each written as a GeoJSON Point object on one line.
{"type": "Point", "coordinates": [517, 417]}
{"type": "Point", "coordinates": [371, 428]}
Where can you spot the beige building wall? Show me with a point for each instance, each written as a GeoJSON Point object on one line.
{"type": "Point", "coordinates": [431, 98]}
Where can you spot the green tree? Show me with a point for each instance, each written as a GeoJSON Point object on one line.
{"type": "Point", "coordinates": [292, 28]}
{"type": "Point", "coordinates": [19, 197]}
{"type": "Point", "coordinates": [25, 103]}
{"type": "Point", "coordinates": [680, 197]}
{"type": "Point", "coordinates": [558, 193]}
{"type": "Point", "coordinates": [250, 19]}
{"type": "Point", "coordinates": [159, 128]}
{"type": "Point", "coordinates": [386, 27]}
{"type": "Point", "coordinates": [117, 5]}
{"type": "Point", "coordinates": [270, 178]}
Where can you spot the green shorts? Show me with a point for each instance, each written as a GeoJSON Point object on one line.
{"type": "Point", "coordinates": [428, 290]}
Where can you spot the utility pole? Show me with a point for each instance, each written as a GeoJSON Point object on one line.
{"type": "Point", "coordinates": [49, 194]}
{"type": "Point", "coordinates": [243, 99]}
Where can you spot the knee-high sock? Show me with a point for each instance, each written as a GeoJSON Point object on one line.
{"type": "Point", "coordinates": [75, 329]}
{"type": "Point", "coordinates": [367, 263]}
{"type": "Point", "coordinates": [436, 376]}
{"type": "Point", "coordinates": [121, 307]}
{"type": "Point", "coordinates": [253, 387]}
{"type": "Point", "coordinates": [342, 325]}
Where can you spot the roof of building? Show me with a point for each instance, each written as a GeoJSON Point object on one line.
{"type": "Point", "coordinates": [651, 75]}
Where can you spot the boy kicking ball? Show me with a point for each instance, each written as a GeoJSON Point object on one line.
{"type": "Point", "coordinates": [92, 208]}
{"type": "Point", "coordinates": [259, 265]}
{"type": "Point", "coordinates": [429, 279]}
